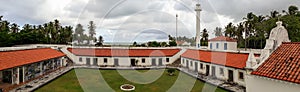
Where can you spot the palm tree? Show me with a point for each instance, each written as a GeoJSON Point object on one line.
{"type": "Point", "coordinates": [14, 28]}
{"type": "Point", "coordinates": [92, 32]}
{"type": "Point", "coordinates": [239, 33]}
{"type": "Point", "coordinates": [218, 31]}
{"type": "Point", "coordinates": [250, 21]}
{"type": "Point", "coordinates": [230, 30]}
{"type": "Point", "coordinates": [79, 33]}
{"type": "Point", "coordinates": [204, 39]}
{"type": "Point", "coordinates": [27, 28]}
{"type": "Point", "coordinates": [274, 14]}
{"type": "Point", "coordinates": [100, 41]}
{"type": "Point", "coordinates": [293, 10]}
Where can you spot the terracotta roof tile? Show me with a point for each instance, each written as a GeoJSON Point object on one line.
{"type": "Point", "coordinates": [107, 52]}
{"type": "Point", "coordinates": [10, 59]}
{"type": "Point", "coordinates": [223, 38]}
{"type": "Point", "coordinates": [236, 60]}
{"type": "Point", "coordinates": [283, 63]}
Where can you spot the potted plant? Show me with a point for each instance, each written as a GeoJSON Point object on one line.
{"type": "Point", "coordinates": [171, 71]}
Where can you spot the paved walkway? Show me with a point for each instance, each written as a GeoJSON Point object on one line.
{"type": "Point", "coordinates": [34, 84]}
{"type": "Point", "coordinates": [30, 86]}
{"type": "Point", "coordinates": [208, 79]}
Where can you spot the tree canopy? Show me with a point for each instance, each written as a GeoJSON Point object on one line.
{"type": "Point", "coordinates": [255, 29]}
{"type": "Point", "coordinates": [47, 33]}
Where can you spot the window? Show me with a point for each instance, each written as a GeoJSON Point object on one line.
{"type": "Point", "coordinates": [167, 59]}
{"type": "Point", "coordinates": [225, 46]}
{"type": "Point", "coordinates": [241, 75]}
{"type": "Point", "coordinates": [210, 46]}
{"type": "Point", "coordinates": [221, 71]}
{"type": "Point", "coordinates": [191, 63]}
{"type": "Point", "coordinates": [217, 46]}
{"type": "Point", "coordinates": [183, 61]}
{"type": "Point", "coordinates": [80, 59]}
{"type": "Point", "coordinates": [201, 66]}
{"type": "Point", "coordinates": [143, 60]}
{"type": "Point", "coordinates": [105, 60]}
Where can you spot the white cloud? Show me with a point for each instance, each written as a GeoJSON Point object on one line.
{"type": "Point", "coordinates": [132, 17]}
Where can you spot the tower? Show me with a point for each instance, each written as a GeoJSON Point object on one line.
{"type": "Point", "coordinates": [198, 10]}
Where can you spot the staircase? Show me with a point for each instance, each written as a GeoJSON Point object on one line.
{"type": "Point", "coordinates": [68, 53]}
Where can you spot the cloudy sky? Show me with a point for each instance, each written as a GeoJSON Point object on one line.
{"type": "Point", "coordinates": [138, 20]}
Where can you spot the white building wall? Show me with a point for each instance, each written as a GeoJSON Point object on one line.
{"type": "Point", "coordinates": [146, 63]}
{"type": "Point", "coordinates": [203, 70]}
{"type": "Point", "coordinates": [231, 46]}
{"type": "Point", "coordinates": [123, 61]}
{"type": "Point", "coordinates": [262, 84]}
{"type": "Point", "coordinates": [217, 70]}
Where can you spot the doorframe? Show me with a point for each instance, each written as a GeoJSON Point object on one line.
{"type": "Point", "coordinates": [230, 79]}
{"type": "Point", "coordinates": [196, 66]}
{"type": "Point", "coordinates": [153, 62]}
{"type": "Point", "coordinates": [132, 62]}
{"type": "Point", "coordinates": [160, 61]}
{"type": "Point", "coordinates": [207, 69]}
{"type": "Point", "coordinates": [116, 62]}
{"type": "Point", "coordinates": [213, 71]}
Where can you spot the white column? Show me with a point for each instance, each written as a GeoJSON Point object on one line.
{"type": "Point", "coordinates": [12, 76]}
{"type": "Point", "coordinates": [53, 63]}
{"type": "Point", "coordinates": [18, 76]}
{"type": "Point", "coordinates": [41, 68]}
{"type": "Point", "coordinates": [61, 61]}
{"type": "Point", "coordinates": [23, 73]}
{"type": "Point", "coordinates": [198, 10]}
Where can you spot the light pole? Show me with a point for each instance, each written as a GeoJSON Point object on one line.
{"type": "Point", "coordinates": [176, 28]}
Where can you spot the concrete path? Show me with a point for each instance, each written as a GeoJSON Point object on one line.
{"type": "Point", "coordinates": [213, 81]}
{"type": "Point", "coordinates": [32, 85]}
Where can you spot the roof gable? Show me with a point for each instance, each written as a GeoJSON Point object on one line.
{"type": "Point", "coordinates": [283, 64]}
{"type": "Point", "coordinates": [223, 38]}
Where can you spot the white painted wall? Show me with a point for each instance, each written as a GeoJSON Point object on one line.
{"type": "Point", "coordinates": [262, 84]}
{"type": "Point", "coordinates": [231, 46]}
{"type": "Point", "coordinates": [217, 70]}
{"type": "Point", "coordinates": [123, 61]}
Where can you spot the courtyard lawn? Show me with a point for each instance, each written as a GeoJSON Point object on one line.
{"type": "Point", "coordinates": [143, 80]}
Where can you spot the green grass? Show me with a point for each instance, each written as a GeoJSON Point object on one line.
{"type": "Point", "coordinates": [111, 80]}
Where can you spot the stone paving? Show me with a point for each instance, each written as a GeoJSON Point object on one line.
{"type": "Point", "coordinates": [30, 86]}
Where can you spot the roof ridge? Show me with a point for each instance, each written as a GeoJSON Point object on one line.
{"type": "Point", "coordinates": [290, 42]}
{"type": "Point", "coordinates": [25, 49]}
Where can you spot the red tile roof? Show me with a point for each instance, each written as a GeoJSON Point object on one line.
{"type": "Point", "coordinates": [108, 52]}
{"type": "Point", "coordinates": [283, 64]}
{"type": "Point", "coordinates": [223, 38]}
{"type": "Point", "coordinates": [235, 60]}
{"type": "Point", "coordinates": [10, 59]}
